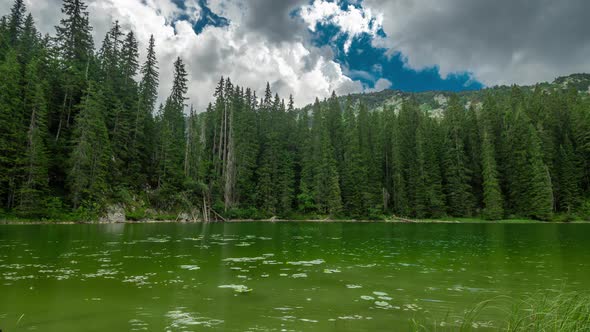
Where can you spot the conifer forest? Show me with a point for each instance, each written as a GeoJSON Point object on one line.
{"type": "Point", "coordinates": [83, 128]}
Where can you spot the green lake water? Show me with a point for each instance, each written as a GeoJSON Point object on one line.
{"type": "Point", "coordinates": [302, 276]}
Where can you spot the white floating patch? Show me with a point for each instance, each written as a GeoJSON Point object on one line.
{"type": "Point", "coordinates": [367, 298]}
{"type": "Point", "coordinates": [308, 263]}
{"type": "Point", "coordinates": [182, 319]}
{"type": "Point", "coordinates": [237, 288]}
{"type": "Point", "coordinates": [190, 267]}
{"type": "Point", "coordinates": [299, 275]}
{"type": "Point", "coordinates": [382, 304]}
{"type": "Point", "coordinates": [243, 259]}
{"type": "Point", "coordinates": [330, 271]}
{"type": "Point", "coordinates": [354, 286]}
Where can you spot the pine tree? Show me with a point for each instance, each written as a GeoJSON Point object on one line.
{"type": "Point", "coordinates": [11, 125]}
{"type": "Point", "coordinates": [429, 197]}
{"type": "Point", "coordinates": [326, 189]}
{"type": "Point", "coordinates": [457, 176]}
{"type": "Point", "coordinates": [16, 22]}
{"type": "Point", "coordinates": [129, 59]}
{"type": "Point", "coordinates": [172, 132]}
{"type": "Point", "coordinates": [405, 163]}
{"type": "Point", "coordinates": [193, 150]}
{"type": "Point", "coordinates": [492, 195]}
{"type": "Point", "coordinates": [305, 195]}
{"type": "Point", "coordinates": [75, 51]}
{"type": "Point", "coordinates": [246, 147]}
{"type": "Point", "coordinates": [91, 155]}
{"type": "Point", "coordinates": [371, 184]}
{"type": "Point", "coordinates": [473, 154]}
{"type": "Point", "coordinates": [569, 178]}
{"type": "Point", "coordinates": [143, 129]}
{"type": "Point", "coordinates": [335, 128]}
{"type": "Point", "coordinates": [527, 177]}
{"type": "Point", "coordinates": [34, 189]}
{"type": "Point", "coordinates": [397, 183]}
{"type": "Point", "coordinates": [29, 44]}
{"type": "Point", "coordinates": [73, 36]}
{"type": "Point", "coordinates": [354, 174]}
{"type": "Point", "coordinates": [3, 36]}
{"type": "Point", "coordinates": [540, 199]}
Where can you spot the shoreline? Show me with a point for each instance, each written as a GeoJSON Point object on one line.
{"type": "Point", "coordinates": [309, 221]}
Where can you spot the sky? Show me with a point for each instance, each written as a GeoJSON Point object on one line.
{"type": "Point", "coordinates": [310, 48]}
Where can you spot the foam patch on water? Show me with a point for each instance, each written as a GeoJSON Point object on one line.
{"type": "Point", "coordinates": [190, 267]}
{"type": "Point", "coordinates": [330, 271]}
{"type": "Point", "coordinates": [308, 263]}
{"type": "Point", "coordinates": [244, 259]}
{"type": "Point", "coordinates": [237, 288]}
{"type": "Point", "coordinates": [181, 319]}
{"type": "Point", "coordinates": [354, 317]}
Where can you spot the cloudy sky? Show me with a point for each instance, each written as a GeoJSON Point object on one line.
{"type": "Point", "coordinates": [309, 48]}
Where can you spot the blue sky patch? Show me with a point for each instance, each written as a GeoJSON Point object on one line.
{"type": "Point", "coordinates": [207, 18]}
{"type": "Point", "coordinates": [362, 62]}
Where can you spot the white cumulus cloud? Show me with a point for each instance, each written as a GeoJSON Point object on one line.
{"type": "Point", "coordinates": [352, 21]}
{"type": "Point", "coordinates": [242, 51]}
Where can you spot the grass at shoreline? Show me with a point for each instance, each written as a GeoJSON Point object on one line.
{"type": "Point", "coordinates": [565, 312]}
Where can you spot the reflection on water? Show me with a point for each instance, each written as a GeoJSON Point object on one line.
{"type": "Point", "coordinates": [275, 277]}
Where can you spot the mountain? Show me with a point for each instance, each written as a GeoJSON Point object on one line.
{"type": "Point", "coordinates": [437, 101]}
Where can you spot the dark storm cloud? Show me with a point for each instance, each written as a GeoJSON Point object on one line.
{"type": "Point", "coordinates": [502, 41]}
{"type": "Point", "coordinates": [274, 19]}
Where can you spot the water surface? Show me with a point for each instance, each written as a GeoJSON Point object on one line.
{"type": "Point", "coordinates": [276, 276]}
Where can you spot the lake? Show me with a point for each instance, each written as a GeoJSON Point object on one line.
{"type": "Point", "coordinates": [276, 276]}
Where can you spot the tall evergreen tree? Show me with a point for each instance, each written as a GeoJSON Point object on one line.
{"type": "Point", "coordinates": [75, 47]}
{"type": "Point", "coordinates": [457, 175]}
{"type": "Point", "coordinates": [492, 196]}
{"type": "Point", "coordinates": [16, 22]}
{"type": "Point", "coordinates": [429, 199]}
{"type": "Point", "coordinates": [172, 132]}
{"type": "Point", "coordinates": [326, 190]}
{"type": "Point", "coordinates": [34, 190]}
{"type": "Point", "coordinates": [12, 129]}
{"type": "Point", "coordinates": [91, 155]}
{"type": "Point", "coordinates": [143, 126]}
{"type": "Point", "coordinates": [569, 179]}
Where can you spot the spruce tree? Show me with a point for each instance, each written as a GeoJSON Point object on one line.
{"type": "Point", "coordinates": [569, 178]}
{"type": "Point", "coordinates": [326, 190]}
{"type": "Point", "coordinates": [29, 44]}
{"type": "Point", "coordinates": [143, 129]}
{"type": "Point", "coordinates": [172, 132]}
{"type": "Point", "coordinates": [371, 182]}
{"type": "Point", "coordinates": [405, 162]}
{"type": "Point", "coordinates": [91, 156]}
{"type": "Point", "coordinates": [492, 195]}
{"type": "Point", "coordinates": [16, 21]}
{"type": "Point", "coordinates": [12, 127]}
{"type": "Point", "coordinates": [246, 147]}
{"type": "Point", "coordinates": [430, 200]}
{"type": "Point", "coordinates": [34, 189]}
{"type": "Point", "coordinates": [457, 175]}
{"type": "Point", "coordinates": [354, 174]}
{"type": "Point", "coordinates": [74, 37]}
{"type": "Point", "coordinates": [74, 48]}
